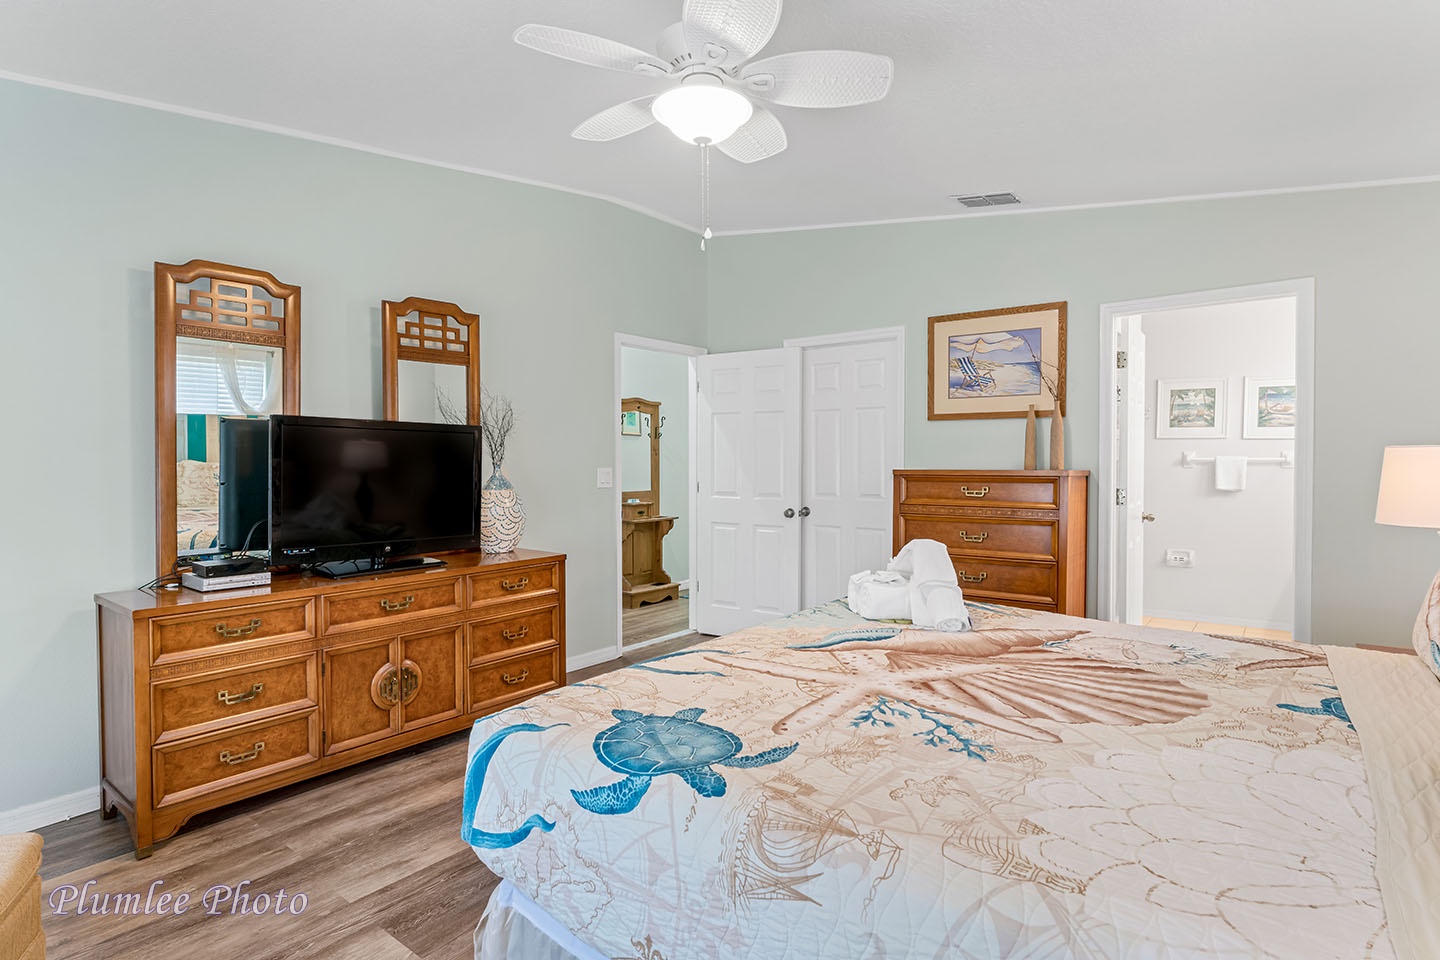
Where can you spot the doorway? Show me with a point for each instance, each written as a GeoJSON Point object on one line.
{"type": "Point", "coordinates": [794, 452]}
{"type": "Point", "coordinates": [655, 388]}
{"type": "Point", "coordinates": [1205, 465]}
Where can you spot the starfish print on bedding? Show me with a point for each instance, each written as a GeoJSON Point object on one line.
{"type": "Point", "coordinates": [998, 678]}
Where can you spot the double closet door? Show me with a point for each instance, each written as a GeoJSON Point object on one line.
{"type": "Point", "coordinates": [794, 449]}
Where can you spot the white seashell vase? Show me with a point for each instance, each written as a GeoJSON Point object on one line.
{"type": "Point", "coordinates": [502, 515]}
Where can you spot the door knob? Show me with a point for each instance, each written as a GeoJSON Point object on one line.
{"type": "Point", "coordinates": [804, 511]}
{"type": "Point", "coordinates": [1148, 517]}
{"type": "Point", "coordinates": [789, 512]}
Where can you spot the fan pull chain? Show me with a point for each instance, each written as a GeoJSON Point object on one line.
{"type": "Point", "coordinates": [705, 191]}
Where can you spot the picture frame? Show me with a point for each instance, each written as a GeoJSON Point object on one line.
{"type": "Point", "coordinates": [1270, 408]}
{"type": "Point", "coordinates": [630, 423]}
{"type": "Point", "coordinates": [997, 363]}
{"type": "Point", "coordinates": [1191, 409]}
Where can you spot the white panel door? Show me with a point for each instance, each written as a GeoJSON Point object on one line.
{"type": "Point", "coordinates": [747, 464]}
{"type": "Point", "coordinates": [1130, 471]}
{"type": "Point", "coordinates": [851, 410]}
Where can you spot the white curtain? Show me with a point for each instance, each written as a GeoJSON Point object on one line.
{"type": "Point", "coordinates": [227, 354]}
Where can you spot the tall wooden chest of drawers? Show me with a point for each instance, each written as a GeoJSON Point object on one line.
{"type": "Point", "coordinates": [1015, 536]}
{"type": "Point", "coordinates": [206, 698]}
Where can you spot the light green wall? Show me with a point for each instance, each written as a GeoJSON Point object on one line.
{"type": "Point", "coordinates": [92, 192]}
{"type": "Point", "coordinates": [664, 377]}
{"type": "Point", "coordinates": [1372, 252]}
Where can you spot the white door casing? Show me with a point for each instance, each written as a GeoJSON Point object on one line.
{"type": "Point", "coordinates": [851, 407]}
{"type": "Point", "coordinates": [1130, 469]}
{"type": "Point", "coordinates": [747, 452]}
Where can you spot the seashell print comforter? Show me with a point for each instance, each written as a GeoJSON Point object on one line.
{"type": "Point", "coordinates": [1043, 786]}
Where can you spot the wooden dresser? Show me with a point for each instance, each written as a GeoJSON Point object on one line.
{"type": "Point", "coordinates": [1015, 536]}
{"type": "Point", "coordinates": [209, 698]}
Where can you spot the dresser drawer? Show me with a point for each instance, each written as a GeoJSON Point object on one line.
{"type": "Point", "coordinates": [507, 636]}
{"type": "Point", "coordinates": [193, 705]}
{"type": "Point", "coordinates": [200, 634]}
{"type": "Point", "coordinates": [1037, 539]}
{"type": "Point", "coordinates": [502, 680]}
{"type": "Point", "coordinates": [394, 604]}
{"type": "Point", "coordinates": [500, 585]}
{"type": "Point", "coordinates": [980, 490]}
{"type": "Point", "coordinates": [189, 768]}
{"type": "Point", "coordinates": [1007, 581]}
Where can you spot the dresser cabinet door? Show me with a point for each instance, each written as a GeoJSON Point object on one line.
{"type": "Point", "coordinates": [431, 676]}
{"type": "Point", "coordinates": [362, 694]}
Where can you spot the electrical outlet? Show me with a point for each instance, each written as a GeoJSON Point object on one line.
{"type": "Point", "coordinates": [604, 477]}
{"type": "Point", "coordinates": [1180, 558]}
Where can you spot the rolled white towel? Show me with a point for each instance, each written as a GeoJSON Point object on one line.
{"type": "Point", "coordinates": [879, 595]}
{"type": "Point", "coordinates": [945, 605]}
{"type": "Point", "coordinates": [925, 561]}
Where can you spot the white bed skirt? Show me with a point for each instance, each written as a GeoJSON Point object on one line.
{"type": "Point", "coordinates": [514, 926]}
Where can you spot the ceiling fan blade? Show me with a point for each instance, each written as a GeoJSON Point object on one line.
{"type": "Point", "coordinates": [589, 49]}
{"type": "Point", "coordinates": [760, 137]}
{"type": "Point", "coordinates": [820, 78]}
{"type": "Point", "coordinates": [729, 32]}
{"type": "Point", "coordinates": [618, 121]}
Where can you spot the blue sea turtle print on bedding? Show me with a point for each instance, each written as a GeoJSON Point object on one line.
{"type": "Point", "coordinates": [645, 746]}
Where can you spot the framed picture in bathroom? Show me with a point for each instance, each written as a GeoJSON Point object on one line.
{"type": "Point", "coordinates": [1269, 408]}
{"type": "Point", "coordinates": [1190, 409]}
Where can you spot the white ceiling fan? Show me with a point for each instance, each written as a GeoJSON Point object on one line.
{"type": "Point", "coordinates": [721, 95]}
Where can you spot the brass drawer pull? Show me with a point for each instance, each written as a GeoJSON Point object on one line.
{"type": "Point", "coordinates": [514, 680]}
{"type": "Point", "coordinates": [516, 634]}
{"type": "Point", "coordinates": [512, 585]}
{"type": "Point", "coordinates": [231, 633]}
{"type": "Point", "coordinates": [409, 681]}
{"type": "Point", "coordinates": [975, 493]}
{"type": "Point", "coordinates": [968, 538]}
{"type": "Point", "coordinates": [390, 606]}
{"type": "Point", "coordinates": [230, 699]}
{"type": "Point", "coordinates": [232, 759]}
{"type": "Point", "coordinates": [969, 579]}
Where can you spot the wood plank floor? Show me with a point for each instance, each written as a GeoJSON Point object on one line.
{"type": "Point", "coordinates": [656, 620]}
{"type": "Point", "coordinates": [375, 849]}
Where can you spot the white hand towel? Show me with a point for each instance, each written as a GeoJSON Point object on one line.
{"type": "Point", "coordinates": [1230, 473]}
{"type": "Point", "coordinates": [923, 561]}
{"type": "Point", "coordinates": [879, 595]}
{"type": "Point", "coordinates": [945, 605]}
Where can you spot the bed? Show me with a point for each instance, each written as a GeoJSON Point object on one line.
{"type": "Point", "coordinates": [1043, 786]}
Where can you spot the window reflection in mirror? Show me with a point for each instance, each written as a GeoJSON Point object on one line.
{"type": "Point", "coordinates": [214, 379]}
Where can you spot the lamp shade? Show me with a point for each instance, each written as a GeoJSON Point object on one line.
{"type": "Point", "coordinates": [1410, 487]}
{"type": "Point", "coordinates": [701, 109]}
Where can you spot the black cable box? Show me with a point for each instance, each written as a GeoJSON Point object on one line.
{"type": "Point", "coordinates": [227, 566]}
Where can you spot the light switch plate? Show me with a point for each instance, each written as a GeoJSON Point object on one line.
{"type": "Point", "coordinates": [604, 477]}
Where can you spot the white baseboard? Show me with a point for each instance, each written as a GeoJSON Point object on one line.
{"type": "Point", "coordinates": [580, 661]}
{"type": "Point", "coordinates": [1213, 617]}
{"type": "Point", "coordinates": [46, 812]}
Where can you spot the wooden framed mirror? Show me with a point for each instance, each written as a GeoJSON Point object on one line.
{"type": "Point", "coordinates": [640, 452]}
{"type": "Point", "coordinates": [430, 355]}
{"type": "Point", "coordinates": [227, 344]}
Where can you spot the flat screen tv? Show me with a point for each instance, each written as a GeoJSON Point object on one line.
{"type": "Point", "coordinates": [244, 484]}
{"type": "Point", "coordinates": [355, 496]}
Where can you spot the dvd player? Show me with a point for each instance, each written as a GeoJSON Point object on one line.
{"type": "Point", "coordinates": [227, 566]}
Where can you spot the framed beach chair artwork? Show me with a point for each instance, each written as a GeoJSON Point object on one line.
{"type": "Point", "coordinates": [998, 363]}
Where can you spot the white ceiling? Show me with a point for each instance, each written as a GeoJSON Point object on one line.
{"type": "Point", "coordinates": [1067, 102]}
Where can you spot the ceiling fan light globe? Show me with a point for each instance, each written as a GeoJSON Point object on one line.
{"type": "Point", "coordinates": [702, 111]}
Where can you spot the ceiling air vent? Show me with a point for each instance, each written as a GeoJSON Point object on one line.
{"type": "Point", "coordinates": [986, 200]}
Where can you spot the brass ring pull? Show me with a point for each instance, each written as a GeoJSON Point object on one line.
{"type": "Point", "coordinates": [520, 584]}
{"type": "Point", "coordinates": [385, 686]}
{"type": "Point", "coordinates": [969, 579]}
{"type": "Point", "coordinates": [975, 493]}
{"type": "Point", "coordinates": [409, 681]}
{"type": "Point", "coordinates": [230, 699]}
{"type": "Point", "coordinates": [968, 538]}
{"type": "Point", "coordinates": [390, 606]}
{"type": "Point", "coordinates": [514, 680]}
{"type": "Point", "coordinates": [516, 634]}
{"type": "Point", "coordinates": [232, 759]}
{"type": "Point", "coordinates": [231, 633]}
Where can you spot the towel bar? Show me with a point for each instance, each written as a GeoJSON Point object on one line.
{"type": "Point", "coordinates": [1189, 460]}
